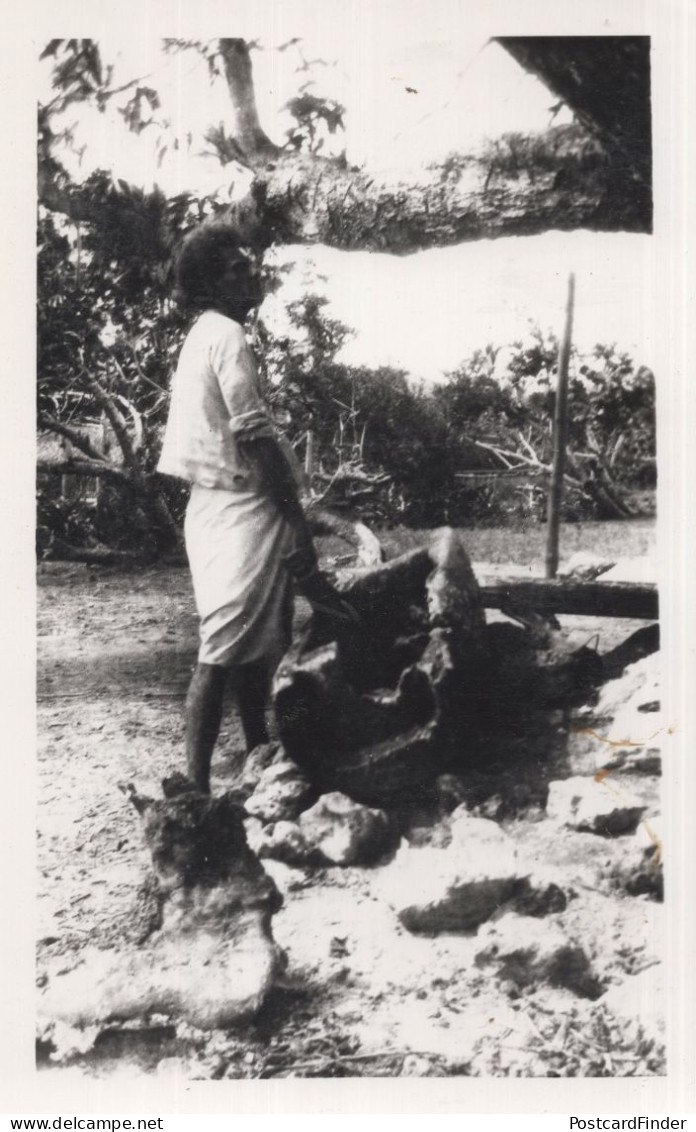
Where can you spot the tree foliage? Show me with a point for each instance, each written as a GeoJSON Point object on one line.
{"type": "Point", "coordinates": [312, 112]}
{"type": "Point", "coordinates": [508, 420]}
{"type": "Point", "coordinates": [108, 335]}
{"type": "Point", "coordinates": [478, 447]}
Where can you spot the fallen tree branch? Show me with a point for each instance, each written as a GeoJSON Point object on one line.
{"type": "Point", "coordinates": [531, 453]}
{"type": "Point", "coordinates": [141, 481]}
{"type": "Point", "coordinates": [337, 1058]}
{"type": "Point", "coordinates": [137, 419]}
{"type": "Point", "coordinates": [73, 467]}
{"type": "Point", "coordinates": [143, 376]}
{"type": "Point", "coordinates": [591, 599]}
{"type": "Point", "coordinates": [501, 454]}
{"type": "Point", "coordinates": [368, 546]}
{"type": "Point", "coordinates": [599, 491]}
{"type": "Point", "coordinates": [76, 438]}
{"type": "Point", "coordinates": [118, 424]}
{"type": "Point", "coordinates": [137, 442]}
{"type": "Point", "coordinates": [607, 486]}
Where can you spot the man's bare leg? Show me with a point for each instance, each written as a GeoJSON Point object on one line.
{"type": "Point", "coordinates": [253, 686]}
{"type": "Point", "coordinates": [203, 716]}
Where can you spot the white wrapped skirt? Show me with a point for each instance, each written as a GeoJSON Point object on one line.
{"type": "Point", "coordinates": [235, 543]}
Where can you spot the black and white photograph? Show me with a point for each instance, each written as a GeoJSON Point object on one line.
{"type": "Point", "coordinates": [352, 743]}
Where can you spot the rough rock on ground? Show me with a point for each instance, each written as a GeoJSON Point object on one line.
{"type": "Point", "coordinates": [639, 685]}
{"type": "Point", "coordinates": [625, 730]}
{"type": "Point", "coordinates": [524, 951]}
{"type": "Point", "coordinates": [538, 895]}
{"type": "Point", "coordinates": [639, 869]}
{"type": "Point", "coordinates": [538, 888]}
{"type": "Point", "coordinates": [216, 905]}
{"type": "Point", "coordinates": [594, 804]}
{"type": "Point", "coordinates": [639, 1001]}
{"type": "Point", "coordinates": [477, 834]}
{"type": "Point", "coordinates": [281, 840]}
{"type": "Point", "coordinates": [344, 832]}
{"type": "Point", "coordinates": [334, 831]}
{"type": "Point", "coordinates": [458, 887]}
{"type": "Point", "coordinates": [286, 878]}
{"type": "Point", "coordinates": [281, 792]}
{"type": "Point", "coordinates": [256, 762]}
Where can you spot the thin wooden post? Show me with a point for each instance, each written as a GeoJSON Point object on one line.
{"type": "Point", "coordinates": [560, 433]}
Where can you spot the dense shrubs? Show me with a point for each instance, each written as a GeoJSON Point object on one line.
{"type": "Point", "coordinates": [475, 450]}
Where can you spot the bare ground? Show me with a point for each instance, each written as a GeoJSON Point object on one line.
{"type": "Point", "coordinates": [361, 996]}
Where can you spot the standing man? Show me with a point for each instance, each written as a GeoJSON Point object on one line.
{"type": "Point", "coordinates": [244, 524]}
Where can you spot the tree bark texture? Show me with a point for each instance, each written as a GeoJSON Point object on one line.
{"type": "Point", "coordinates": [304, 199]}
{"type": "Point", "coordinates": [307, 199]}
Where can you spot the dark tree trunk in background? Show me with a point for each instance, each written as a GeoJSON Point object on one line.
{"type": "Point", "coordinates": [605, 80]}
{"type": "Point", "coordinates": [248, 132]}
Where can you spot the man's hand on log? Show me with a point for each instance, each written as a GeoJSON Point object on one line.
{"type": "Point", "coordinates": [317, 589]}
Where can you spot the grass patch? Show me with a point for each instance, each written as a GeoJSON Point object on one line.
{"type": "Point", "coordinates": [526, 546]}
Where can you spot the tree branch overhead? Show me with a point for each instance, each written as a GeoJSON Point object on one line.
{"type": "Point", "coordinates": [595, 174]}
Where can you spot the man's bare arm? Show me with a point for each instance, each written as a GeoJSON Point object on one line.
{"type": "Point", "coordinates": [279, 484]}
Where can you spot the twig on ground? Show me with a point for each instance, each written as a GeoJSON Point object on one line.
{"type": "Point", "coordinates": [336, 1059]}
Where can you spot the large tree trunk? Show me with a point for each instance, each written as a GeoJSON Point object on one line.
{"type": "Point", "coordinates": [310, 199]}
{"type": "Point", "coordinates": [303, 198]}
{"type": "Point", "coordinates": [307, 199]}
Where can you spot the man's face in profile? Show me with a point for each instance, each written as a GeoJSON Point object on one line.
{"type": "Point", "coordinates": [240, 284]}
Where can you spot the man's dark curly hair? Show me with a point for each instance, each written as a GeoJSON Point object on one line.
{"type": "Point", "coordinates": [201, 262]}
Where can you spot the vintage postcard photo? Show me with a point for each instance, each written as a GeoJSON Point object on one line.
{"type": "Point", "coordinates": [355, 742]}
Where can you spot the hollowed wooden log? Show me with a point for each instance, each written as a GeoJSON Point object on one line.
{"type": "Point", "coordinates": [370, 710]}
{"type": "Point", "coordinates": [378, 710]}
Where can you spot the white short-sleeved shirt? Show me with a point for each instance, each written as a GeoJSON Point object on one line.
{"type": "Point", "coordinates": [215, 399]}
